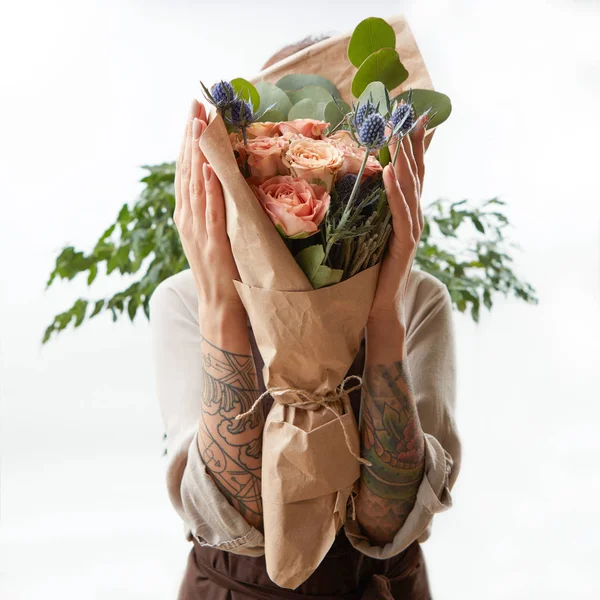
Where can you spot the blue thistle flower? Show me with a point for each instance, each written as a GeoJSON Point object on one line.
{"type": "Point", "coordinates": [223, 94]}
{"type": "Point", "coordinates": [372, 132]}
{"type": "Point", "coordinates": [241, 114]}
{"type": "Point", "coordinates": [364, 110]}
{"type": "Point", "coordinates": [406, 112]}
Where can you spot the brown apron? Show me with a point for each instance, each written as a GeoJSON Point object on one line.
{"type": "Point", "coordinates": [344, 573]}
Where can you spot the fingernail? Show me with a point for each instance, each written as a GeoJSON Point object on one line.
{"type": "Point", "coordinates": [207, 172]}
{"type": "Point", "coordinates": [193, 108]}
{"type": "Point", "coordinates": [196, 129]}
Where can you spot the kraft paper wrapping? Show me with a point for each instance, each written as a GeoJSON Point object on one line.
{"type": "Point", "coordinates": [307, 338]}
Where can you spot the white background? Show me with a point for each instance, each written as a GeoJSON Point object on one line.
{"type": "Point", "coordinates": [92, 90]}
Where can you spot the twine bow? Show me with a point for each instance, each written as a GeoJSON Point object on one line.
{"type": "Point", "coordinates": [324, 400]}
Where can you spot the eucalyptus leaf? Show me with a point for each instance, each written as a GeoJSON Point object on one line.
{"type": "Point", "coordinates": [316, 93]}
{"type": "Point", "coordinates": [335, 113]}
{"type": "Point", "coordinates": [272, 95]}
{"type": "Point", "coordinates": [306, 109]}
{"type": "Point", "coordinates": [295, 81]}
{"type": "Point", "coordinates": [422, 100]}
{"type": "Point", "coordinates": [246, 91]}
{"type": "Point", "coordinates": [383, 65]}
{"type": "Point", "coordinates": [310, 259]}
{"type": "Point", "coordinates": [273, 116]}
{"type": "Point", "coordinates": [370, 35]}
{"type": "Point", "coordinates": [319, 275]}
{"type": "Point", "coordinates": [378, 94]}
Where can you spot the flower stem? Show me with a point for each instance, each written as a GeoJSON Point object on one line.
{"type": "Point", "coordinates": [348, 208]}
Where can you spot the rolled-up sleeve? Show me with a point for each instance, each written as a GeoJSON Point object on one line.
{"type": "Point", "coordinates": [431, 361]}
{"type": "Point", "coordinates": [206, 513]}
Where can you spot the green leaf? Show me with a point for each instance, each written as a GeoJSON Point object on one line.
{"type": "Point", "coordinates": [306, 109]}
{"type": "Point", "coordinates": [422, 100]}
{"type": "Point", "coordinates": [478, 224]}
{"type": "Point", "coordinates": [93, 273]}
{"type": "Point", "coordinates": [246, 91]}
{"type": "Point", "coordinates": [319, 275]}
{"type": "Point", "coordinates": [273, 115]}
{"type": "Point", "coordinates": [316, 93]}
{"type": "Point", "coordinates": [132, 307]}
{"type": "Point", "coordinates": [370, 35]}
{"type": "Point", "coordinates": [334, 113]}
{"type": "Point", "coordinates": [384, 156]}
{"type": "Point", "coordinates": [79, 309]}
{"type": "Point", "coordinates": [383, 65]}
{"type": "Point", "coordinates": [295, 81]}
{"type": "Point", "coordinates": [270, 94]}
{"type": "Point", "coordinates": [97, 308]}
{"type": "Point", "coordinates": [377, 93]}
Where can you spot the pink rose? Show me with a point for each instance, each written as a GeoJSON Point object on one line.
{"type": "Point", "coordinates": [258, 129]}
{"type": "Point", "coordinates": [264, 155]}
{"type": "Point", "coordinates": [316, 161]}
{"type": "Point", "coordinates": [295, 206]}
{"type": "Point", "coordinates": [306, 127]}
{"type": "Point", "coordinates": [353, 156]}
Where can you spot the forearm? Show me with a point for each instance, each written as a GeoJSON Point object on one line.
{"type": "Point", "coordinates": [231, 450]}
{"type": "Point", "coordinates": [391, 435]}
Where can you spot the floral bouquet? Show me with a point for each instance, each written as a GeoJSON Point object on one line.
{"type": "Point", "coordinates": [299, 154]}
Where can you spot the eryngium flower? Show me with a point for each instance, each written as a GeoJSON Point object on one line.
{"type": "Point", "coordinates": [222, 93]}
{"type": "Point", "coordinates": [241, 114]}
{"type": "Point", "coordinates": [364, 110]}
{"type": "Point", "coordinates": [406, 112]}
{"type": "Point", "coordinates": [372, 132]}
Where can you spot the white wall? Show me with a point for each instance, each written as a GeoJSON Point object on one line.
{"type": "Point", "coordinates": [92, 90]}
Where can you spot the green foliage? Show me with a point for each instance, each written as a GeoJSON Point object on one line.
{"type": "Point", "coordinates": [142, 240]}
{"type": "Point", "coordinates": [310, 260]}
{"type": "Point", "coordinates": [271, 95]}
{"type": "Point", "coordinates": [370, 35]}
{"type": "Point", "coordinates": [473, 270]}
{"type": "Point", "coordinates": [246, 91]}
{"type": "Point", "coordinates": [295, 81]}
{"type": "Point", "coordinates": [463, 246]}
{"type": "Point", "coordinates": [383, 65]}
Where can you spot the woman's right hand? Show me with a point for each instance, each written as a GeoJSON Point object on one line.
{"type": "Point", "coordinates": [200, 220]}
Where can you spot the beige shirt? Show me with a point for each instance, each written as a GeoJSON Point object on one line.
{"type": "Point", "coordinates": [206, 513]}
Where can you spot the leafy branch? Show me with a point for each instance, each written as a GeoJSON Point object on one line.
{"type": "Point", "coordinates": [463, 246]}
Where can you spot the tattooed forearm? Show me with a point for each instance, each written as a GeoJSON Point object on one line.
{"type": "Point", "coordinates": [232, 450]}
{"type": "Point", "coordinates": [392, 440]}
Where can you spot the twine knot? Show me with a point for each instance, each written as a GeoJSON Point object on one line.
{"type": "Point", "coordinates": [324, 400]}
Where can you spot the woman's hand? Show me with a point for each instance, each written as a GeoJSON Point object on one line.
{"type": "Point", "coordinates": [200, 220]}
{"type": "Point", "coordinates": [403, 183]}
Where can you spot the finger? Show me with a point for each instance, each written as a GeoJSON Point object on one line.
{"type": "Point", "coordinates": [197, 187]}
{"type": "Point", "coordinates": [408, 148]}
{"type": "Point", "coordinates": [418, 144]}
{"type": "Point", "coordinates": [185, 172]}
{"type": "Point", "coordinates": [195, 110]}
{"type": "Point", "coordinates": [401, 218]}
{"type": "Point", "coordinates": [216, 229]}
{"type": "Point", "coordinates": [408, 185]}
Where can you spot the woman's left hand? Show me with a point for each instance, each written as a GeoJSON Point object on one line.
{"type": "Point", "coordinates": [403, 183]}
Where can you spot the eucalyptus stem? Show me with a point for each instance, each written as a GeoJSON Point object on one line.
{"type": "Point", "coordinates": [347, 209]}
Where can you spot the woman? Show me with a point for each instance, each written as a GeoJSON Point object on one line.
{"type": "Point", "coordinates": [208, 371]}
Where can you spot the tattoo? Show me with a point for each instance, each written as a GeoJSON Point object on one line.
{"type": "Point", "coordinates": [393, 441]}
{"type": "Point", "coordinates": [230, 449]}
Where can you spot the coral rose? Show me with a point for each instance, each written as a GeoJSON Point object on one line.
{"type": "Point", "coordinates": [265, 155]}
{"type": "Point", "coordinates": [295, 206]}
{"type": "Point", "coordinates": [258, 129]}
{"type": "Point", "coordinates": [306, 127]}
{"type": "Point", "coordinates": [316, 161]}
{"type": "Point", "coordinates": [353, 156]}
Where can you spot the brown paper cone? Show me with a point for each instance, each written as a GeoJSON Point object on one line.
{"type": "Point", "coordinates": [307, 340]}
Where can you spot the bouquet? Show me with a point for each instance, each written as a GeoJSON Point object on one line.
{"type": "Point", "coordinates": [300, 158]}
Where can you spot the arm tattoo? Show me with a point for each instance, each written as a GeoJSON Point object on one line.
{"type": "Point", "coordinates": [393, 441]}
{"type": "Point", "coordinates": [230, 449]}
